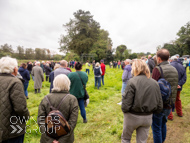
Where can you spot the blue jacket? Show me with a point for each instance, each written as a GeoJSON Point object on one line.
{"type": "Point", "coordinates": [181, 73]}
{"type": "Point", "coordinates": [126, 74]}
{"type": "Point", "coordinates": [25, 74]}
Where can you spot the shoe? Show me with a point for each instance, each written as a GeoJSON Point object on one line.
{"type": "Point", "coordinates": [85, 120]}
{"type": "Point", "coordinates": [27, 97]}
{"type": "Point", "coordinates": [35, 91]}
{"type": "Point", "coordinates": [119, 103]}
{"type": "Point", "coordinates": [39, 91]}
{"type": "Point", "coordinates": [170, 119]}
{"type": "Point", "coordinates": [180, 115]}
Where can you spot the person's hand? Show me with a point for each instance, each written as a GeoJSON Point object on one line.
{"type": "Point", "coordinates": [55, 141]}
{"type": "Point", "coordinates": [178, 86]}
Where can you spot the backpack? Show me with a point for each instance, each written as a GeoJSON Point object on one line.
{"type": "Point", "coordinates": [165, 88]}
{"type": "Point", "coordinates": [56, 124]}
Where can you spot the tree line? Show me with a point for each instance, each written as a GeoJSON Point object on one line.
{"type": "Point", "coordinates": [181, 45]}
{"type": "Point", "coordinates": [28, 53]}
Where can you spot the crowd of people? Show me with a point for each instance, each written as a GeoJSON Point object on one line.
{"type": "Point", "coordinates": [142, 100]}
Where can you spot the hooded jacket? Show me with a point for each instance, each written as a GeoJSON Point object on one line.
{"type": "Point", "coordinates": [25, 74]}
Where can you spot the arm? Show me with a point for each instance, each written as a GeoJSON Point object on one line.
{"type": "Point", "coordinates": [125, 75]}
{"type": "Point", "coordinates": [100, 71]}
{"type": "Point", "coordinates": [27, 75]}
{"type": "Point", "coordinates": [42, 75]}
{"type": "Point", "coordinates": [128, 97]}
{"type": "Point", "coordinates": [18, 100]}
{"type": "Point", "coordinates": [183, 79]}
{"type": "Point", "coordinates": [160, 101]}
{"type": "Point", "coordinates": [32, 72]}
{"type": "Point", "coordinates": [156, 74]}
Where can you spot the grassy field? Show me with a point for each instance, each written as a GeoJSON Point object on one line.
{"type": "Point", "coordinates": [105, 118]}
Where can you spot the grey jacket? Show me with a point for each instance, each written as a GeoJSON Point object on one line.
{"type": "Point", "coordinates": [142, 96]}
{"type": "Point", "coordinates": [61, 70]}
{"type": "Point", "coordinates": [126, 73]}
{"type": "Point", "coordinates": [37, 72]}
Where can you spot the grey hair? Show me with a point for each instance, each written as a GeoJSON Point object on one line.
{"type": "Point", "coordinates": [174, 58]}
{"type": "Point", "coordinates": [7, 64]}
{"type": "Point", "coordinates": [61, 83]}
{"type": "Point", "coordinates": [128, 60]}
{"type": "Point", "coordinates": [97, 64]}
{"type": "Point", "coordinates": [63, 63]}
{"type": "Point", "coordinates": [37, 63]}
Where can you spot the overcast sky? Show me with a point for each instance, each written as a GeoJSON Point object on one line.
{"type": "Point", "coordinates": [141, 25]}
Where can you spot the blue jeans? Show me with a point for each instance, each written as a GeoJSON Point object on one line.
{"type": "Point", "coordinates": [118, 66]}
{"type": "Point", "coordinates": [19, 139]}
{"type": "Point", "coordinates": [25, 89]}
{"type": "Point", "coordinates": [102, 77]}
{"type": "Point", "coordinates": [82, 108]}
{"type": "Point", "coordinates": [159, 128]}
{"type": "Point", "coordinates": [87, 70]}
{"type": "Point", "coordinates": [98, 80]}
{"type": "Point", "coordinates": [123, 87]}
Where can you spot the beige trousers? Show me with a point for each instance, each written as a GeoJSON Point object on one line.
{"type": "Point", "coordinates": [140, 123]}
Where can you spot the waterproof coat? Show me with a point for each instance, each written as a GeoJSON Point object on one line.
{"type": "Point", "coordinates": [25, 74]}
{"type": "Point", "coordinates": [69, 109]}
{"type": "Point", "coordinates": [142, 96]}
{"type": "Point", "coordinates": [37, 72]}
{"type": "Point", "coordinates": [13, 108]}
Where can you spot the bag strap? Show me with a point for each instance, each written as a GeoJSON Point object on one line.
{"type": "Point", "coordinates": [51, 107]}
{"type": "Point", "coordinates": [81, 81]}
{"type": "Point", "coordinates": [161, 71]}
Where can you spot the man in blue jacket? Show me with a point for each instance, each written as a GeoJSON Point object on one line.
{"type": "Point", "coordinates": [181, 80]}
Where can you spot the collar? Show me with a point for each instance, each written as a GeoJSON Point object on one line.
{"type": "Point", "coordinates": [62, 91]}
{"type": "Point", "coordinates": [164, 63]}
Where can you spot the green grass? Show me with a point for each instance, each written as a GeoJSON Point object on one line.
{"type": "Point", "coordinates": [105, 118]}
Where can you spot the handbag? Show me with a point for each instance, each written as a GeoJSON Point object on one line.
{"type": "Point", "coordinates": [86, 96]}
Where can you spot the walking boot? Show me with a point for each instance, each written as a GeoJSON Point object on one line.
{"type": "Point", "coordinates": [35, 91]}
{"type": "Point", "coordinates": [39, 91]}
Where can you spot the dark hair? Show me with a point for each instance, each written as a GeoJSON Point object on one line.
{"type": "Point", "coordinates": [78, 66]}
{"type": "Point", "coordinates": [164, 54]}
{"type": "Point", "coordinates": [23, 65]}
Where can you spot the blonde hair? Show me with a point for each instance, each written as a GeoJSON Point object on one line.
{"type": "Point", "coordinates": [56, 66]}
{"type": "Point", "coordinates": [140, 67]}
{"type": "Point", "coordinates": [61, 83]}
{"type": "Point", "coordinates": [7, 64]}
{"type": "Point", "coordinates": [97, 64]}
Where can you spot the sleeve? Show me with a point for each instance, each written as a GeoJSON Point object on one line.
{"type": "Point", "coordinates": [28, 75]}
{"type": "Point", "coordinates": [128, 97]}
{"type": "Point", "coordinates": [18, 100]}
{"type": "Point", "coordinates": [183, 79]}
{"type": "Point", "coordinates": [42, 75]}
{"type": "Point", "coordinates": [160, 101]}
{"type": "Point", "coordinates": [156, 74]}
{"type": "Point", "coordinates": [100, 71]}
{"type": "Point", "coordinates": [41, 116]}
{"type": "Point", "coordinates": [124, 76]}
{"type": "Point", "coordinates": [73, 114]}
{"type": "Point", "coordinates": [32, 72]}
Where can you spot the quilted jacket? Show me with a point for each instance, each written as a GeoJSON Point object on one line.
{"type": "Point", "coordinates": [13, 108]}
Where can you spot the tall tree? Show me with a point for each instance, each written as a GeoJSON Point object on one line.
{"type": "Point", "coordinates": [120, 50]}
{"type": "Point", "coordinates": [20, 52]}
{"type": "Point", "coordinates": [29, 53]}
{"type": "Point", "coordinates": [82, 33]}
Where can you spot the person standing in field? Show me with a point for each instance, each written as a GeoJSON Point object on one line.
{"type": "Point", "coordinates": [47, 70]}
{"type": "Point", "coordinates": [26, 76]}
{"type": "Point", "coordinates": [151, 63]}
{"type": "Point", "coordinates": [77, 79]}
{"type": "Point", "coordinates": [93, 65]}
{"type": "Point", "coordinates": [62, 69]}
{"type": "Point", "coordinates": [181, 81]}
{"type": "Point", "coordinates": [29, 67]}
{"type": "Point", "coordinates": [51, 76]}
{"type": "Point", "coordinates": [185, 63]}
{"type": "Point", "coordinates": [170, 75]}
{"type": "Point", "coordinates": [97, 75]}
{"type": "Point", "coordinates": [103, 68]}
{"type": "Point", "coordinates": [140, 100]}
{"type": "Point", "coordinates": [37, 72]}
{"type": "Point", "coordinates": [13, 107]}
{"type": "Point", "coordinates": [68, 108]}
{"type": "Point", "coordinates": [87, 66]}
{"type": "Point", "coordinates": [119, 64]}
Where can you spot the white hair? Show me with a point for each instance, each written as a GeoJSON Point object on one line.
{"type": "Point", "coordinates": [37, 63]}
{"type": "Point", "coordinates": [61, 83]}
{"type": "Point", "coordinates": [173, 58]}
{"type": "Point", "coordinates": [97, 64]}
{"type": "Point", "coordinates": [128, 60]}
{"type": "Point", "coordinates": [7, 64]}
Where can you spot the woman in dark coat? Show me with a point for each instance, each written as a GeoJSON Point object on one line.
{"type": "Point", "coordinates": [26, 76]}
{"type": "Point", "coordinates": [48, 71]}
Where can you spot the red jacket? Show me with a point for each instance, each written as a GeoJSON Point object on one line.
{"type": "Point", "coordinates": [103, 68]}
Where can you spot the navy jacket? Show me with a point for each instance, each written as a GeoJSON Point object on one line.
{"type": "Point", "coordinates": [181, 73]}
{"type": "Point", "coordinates": [51, 78]}
{"type": "Point", "coordinates": [25, 74]}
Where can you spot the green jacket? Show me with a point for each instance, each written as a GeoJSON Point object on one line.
{"type": "Point", "coordinates": [76, 87]}
{"type": "Point", "coordinates": [69, 109]}
{"type": "Point", "coordinates": [13, 108]}
{"type": "Point", "coordinates": [142, 96]}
